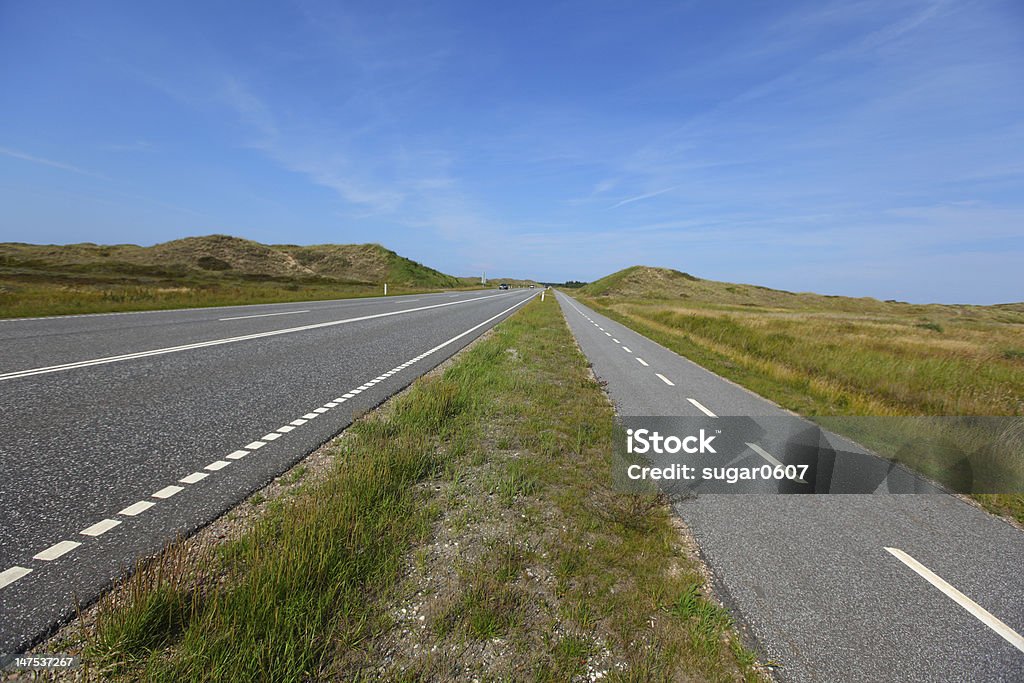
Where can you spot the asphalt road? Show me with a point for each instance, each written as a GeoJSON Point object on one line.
{"type": "Point", "coordinates": [855, 587]}
{"type": "Point", "coordinates": [119, 432]}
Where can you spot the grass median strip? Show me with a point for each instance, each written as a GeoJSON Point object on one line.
{"type": "Point", "coordinates": [467, 529]}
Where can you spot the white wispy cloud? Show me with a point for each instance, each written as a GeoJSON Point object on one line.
{"type": "Point", "coordinates": [15, 154]}
{"type": "Point", "coordinates": [644, 196]}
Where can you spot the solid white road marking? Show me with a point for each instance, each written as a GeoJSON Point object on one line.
{"type": "Point", "coordinates": [168, 491]}
{"type": "Point", "coordinates": [9, 576]}
{"type": "Point", "coordinates": [227, 340]}
{"type": "Point", "coordinates": [664, 379]}
{"type": "Point", "coordinates": [100, 528]}
{"type": "Point", "coordinates": [56, 550]}
{"type": "Point", "coordinates": [983, 615]}
{"type": "Point", "coordinates": [272, 436]}
{"type": "Point", "coordinates": [237, 455]}
{"type": "Point", "coordinates": [137, 508]}
{"type": "Point", "coordinates": [626, 349]}
{"type": "Point", "coordinates": [255, 445]}
{"type": "Point", "coordinates": [701, 408]}
{"type": "Point", "coordinates": [217, 465]}
{"type": "Point", "coordinates": [194, 478]}
{"type": "Point", "coordinates": [642, 362]}
{"type": "Point", "coordinates": [261, 315]}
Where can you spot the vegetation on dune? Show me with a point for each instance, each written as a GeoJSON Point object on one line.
{"type": "Point", "coordinates": [214, 270]}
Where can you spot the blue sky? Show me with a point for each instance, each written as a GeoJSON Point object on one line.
{"type": "Point", "coordinates": [849, 147]}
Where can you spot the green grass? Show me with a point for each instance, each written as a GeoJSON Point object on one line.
{"type": "Point", "coordinates": [306, 590]}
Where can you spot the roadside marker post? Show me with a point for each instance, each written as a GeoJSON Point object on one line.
{"type": "Point", "coordinates": [385, 289]}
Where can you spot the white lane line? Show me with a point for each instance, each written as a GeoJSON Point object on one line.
{"type": "Point", "coordinates": [664, 379]}
{"type": "Point", "coordinates": [340, 399]}
{"type": "Point", "coordinates": [168, 491]}
{"type": "Point", "coordinates": [255, 445]}
{"type": "Point", "coordinates": [194, 478]}
{"type": "Point", "coordinates": [272, 436]}
{"type": "Point", "coordinates": [615, 340]}
{"type": "Point", "coordinates": [56, 550]}
{"type": "Point", "coordinates": [330, 404]}
{"type": "Point", "coordinates": [9, 576]}
{"type": "Point", "coordinates": [299, 422]}
{"type": "Point", "coordinates": [310, 416]}
{"type": "Point", "coordinates": [700, 407]}
{"type": "Point", "coordinates": [285, 429]}
{"type": "Point", "coordinates": [348, 395]}
{"type": "Point", "coordinates": [321, 411]}
{"type": "Point", "coordinates": [355, 391]}
{"type": "Point", "coordinates": [983, 615]}
{"type": "Point", "coordinates": [642, 362]}
{"type": "Point", "coordinates": [607, 334]}
{"type": "Point", "coordinates": [217, 465]}
{"type": "Point", "coordinates": [100, 528]}
{"type": "Point", "coordinates": [137, 508]}
{"type": "Point", "coordinates": [764, 454]}
{"type": "Point", "coordinates": [227, 340]}
{"type": "Point", "coordinates": [237, 455]}
{"type": "Point", "coordinates": [261, 315]}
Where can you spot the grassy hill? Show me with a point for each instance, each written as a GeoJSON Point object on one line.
{"type": "Point", "coordinates": [197, 271]}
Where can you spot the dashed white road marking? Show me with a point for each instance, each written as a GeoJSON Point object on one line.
{"type": "Point", "coordinates": [331, 404]}
{"type": "Point", "coordinates": [9, 576]}
{"type": "Point", "coordinates": [168, 491]}
{"type": "Point", "coordinates": [261, 315]}
{"type": "Point", "coordinates": [665, 379]}
{"type": "Point", "coordinates": [355, 391]}
{"type": "Point", "coordinates": [15, 573]}
{"type": "Point", "coordinates": [615, 340]}
{"type": "Point", "coordinates": [137, 508]}
{"type": "Point", "coordinates": [56, 550]}
{"type": "Point", "coordinates": [100, 528]}
{"type": "Point", "coordinates": [642, 362]}
{"type": "Point", "coordinates": [764, 454]}
{"type": "Point", "coordinates": [348, 395]}
{"type": "Point", "coordinates": [626, 349]}
{"type": "Point", "coordinates": [607, 334]}
{"type": "Point", "coordinates": [979, 612]}
{"type": "Point", "coordinates": [700, 407]}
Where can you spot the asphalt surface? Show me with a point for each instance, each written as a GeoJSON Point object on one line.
{"type": "Point", "coordinates": [810, 577]}
{"type": "Point", "coordinates": [121, 432]}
